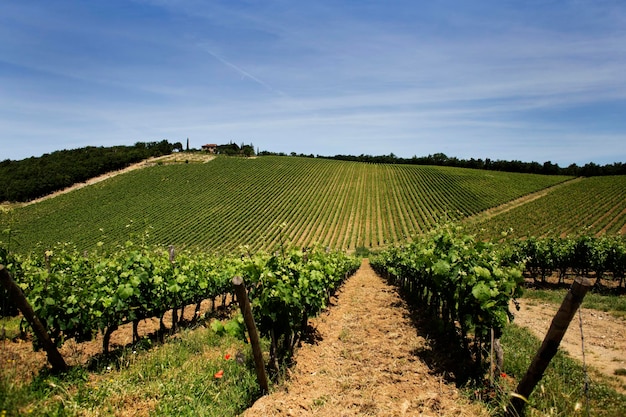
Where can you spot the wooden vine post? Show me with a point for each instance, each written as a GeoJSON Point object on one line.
{"type": "Point", "coordinates": [246, 310]}
{"type": "Point", "coordinates": [16, 294]}
{"type": "Point", "coordinates": [172, 256]}
{"type": "Point", "coordinates": [550, 345]}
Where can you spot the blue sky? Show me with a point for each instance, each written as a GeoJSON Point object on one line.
{"type": "Point", "coordinates": [532, 80]}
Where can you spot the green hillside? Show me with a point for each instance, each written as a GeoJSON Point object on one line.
{"type": "Point", "coordinates": [592, 206]}
{"type": "Point", "coordinates": [230, 202]}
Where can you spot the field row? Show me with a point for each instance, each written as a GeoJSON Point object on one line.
{"type": "Point", "coordinates": [77, 296]}
{"type": "Point", "coordinates": [465, 285]}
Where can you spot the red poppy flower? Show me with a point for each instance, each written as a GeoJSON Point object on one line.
{"type": "Point", "coordinates": [219, 374]}
{"type": "Point", "coordinates": [503, 375]}
{"type": "Point", "coordinates": [227, 356]}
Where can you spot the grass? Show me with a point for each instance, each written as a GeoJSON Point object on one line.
{"type": "Point", "coordinates": [612, 304]}
{"type": "Point", "coordinates": [9, 327]}
{"type": "Point", "coordinates": [176, 378]}
{"type": "Point", "coordinates": [561, 392]}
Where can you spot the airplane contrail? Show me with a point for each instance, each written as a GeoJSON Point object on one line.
{"type": "Point", "coordinates": [241, 71]}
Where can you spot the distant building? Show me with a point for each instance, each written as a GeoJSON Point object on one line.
{"type": "Point", "coordinates": [210, 147]}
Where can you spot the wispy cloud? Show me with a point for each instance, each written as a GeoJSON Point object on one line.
{"type": "Point", "coordinates": [493, 79]}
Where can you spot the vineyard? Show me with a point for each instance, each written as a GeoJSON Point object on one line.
{"type": "Point", "coordinates": [77, 295]}
{"type": "Point", "coordinates": [602, 258]}
{"type": "Point", "coordinates": [590, 206]}
{"type": "Point", "coordinates": [233, 201]}
{"type": "Point", "coordinates": [464, 285]}
{"type": "Point", "coordinates": [460, 282]}
{"type": "Point", "coordinates": [168, 237]}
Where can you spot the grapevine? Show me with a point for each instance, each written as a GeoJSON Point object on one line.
{"type": "Point", "coordinates": [77, 295]}
{"type": "Point", "coordinates": [464, 283]}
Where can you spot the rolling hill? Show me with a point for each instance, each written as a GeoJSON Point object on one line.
{"type": "Point", "coordinates": [229, 202]}
{"type": "Point", "coordinates": [593, 206]}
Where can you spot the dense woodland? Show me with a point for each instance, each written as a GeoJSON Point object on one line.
{"type": "Point", "coordinates": [34, 177]}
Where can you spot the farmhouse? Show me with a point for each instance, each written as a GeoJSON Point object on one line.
{"type": "Point", "coordinates": [210, 147]}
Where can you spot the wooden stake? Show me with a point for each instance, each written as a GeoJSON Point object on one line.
{"type": "Point", "coordinates": [550, 344]}
{"type": "Point", "coordinates": [16, 294]}
{"type": "Point", "coordinates": [244, 305]}
{"type": "Point", "coordinates": [172, 256]}
{"type": "Point", "coordinates": [491, 361]}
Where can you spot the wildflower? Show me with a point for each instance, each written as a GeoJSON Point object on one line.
{"type": "Point", "coordinates": [227, 356]}
{"type": "Point", "coordinates": [503, 375]}
{"type": "Point", "coordinates": [219, 374]}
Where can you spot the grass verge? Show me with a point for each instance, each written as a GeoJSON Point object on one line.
{"type": "Point", "coordinates": [612, 304]}
{"type": "Point", "coordinates": [196, 373]}
{"type": "Point", "coordinates": [9, 327]}
{"type": "Point", "coordinates": [561, 392]}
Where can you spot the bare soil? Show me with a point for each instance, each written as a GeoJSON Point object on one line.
{"type": "Point", "coordinates": [18, 359]}
{"type": "Point", "coordinates": [603, 337]}
{"type": "Point", "coordinates": [366, 360]}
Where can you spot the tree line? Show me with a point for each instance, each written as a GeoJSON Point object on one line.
{"type": "Point", "coordinates": [35, 177]}
{"type": "Point", "coordinates": [547, 168]}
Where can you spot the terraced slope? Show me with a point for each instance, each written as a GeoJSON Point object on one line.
{"type": "Point", "coordinates": [230, 202]}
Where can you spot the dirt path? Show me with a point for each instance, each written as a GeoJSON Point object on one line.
{"type": "Point", "coordinates": [365, 363]}
{"type": "Point", "coordinates": [604, 336]}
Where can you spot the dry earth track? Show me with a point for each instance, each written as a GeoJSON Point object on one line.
{"type": "Point", "coordinates": [366, 362]}
{"type": "Point", "coordinates": [166, 159]}
{"type": "Point", "coordinates": [503, 208]}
